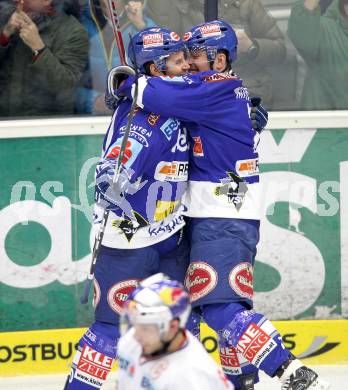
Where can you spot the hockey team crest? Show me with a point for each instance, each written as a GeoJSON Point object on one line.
{"type": "Point", "coordinates": [200, 280]}
{"type": "Point", "coordinates": [241, 280]}
{"type": "Point", "coordinates": [234, 187]}
{"type": "Point", "coordinates": [128, 227]}
{"type": "Point", "coordinates": [119, 293]}
{"type": "Point", "coordinates": [96, 293]}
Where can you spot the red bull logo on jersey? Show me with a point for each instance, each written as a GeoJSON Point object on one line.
{"type": "Point", "coordinates": [119, 293]}
{"type": "Point", "coordinates": [152, 40]}
{"type": "Point", "coordinates": [210, 30]}
{"type": "Point", "coordinates": [201, 279]}
{"type": "Point", "coordinates": [172, 171]}
{"type": "Point", "coordinates": [241, 280]}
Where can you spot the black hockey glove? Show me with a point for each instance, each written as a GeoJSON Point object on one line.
{"type": "Point", "coordinates": [258, 114]}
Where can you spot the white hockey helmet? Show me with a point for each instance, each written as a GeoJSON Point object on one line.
{"type": "Point", "coordinates": [158, 300]}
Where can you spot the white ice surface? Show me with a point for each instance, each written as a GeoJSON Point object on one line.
{"type": "Point", "coordinates": [337, 376]}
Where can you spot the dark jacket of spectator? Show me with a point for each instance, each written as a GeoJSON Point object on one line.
{"type": "Point", "coordinates": [43, 85]}
{"type": "Point", "coordinates": [268, 41]}
{"type": "Point", "coordinates": [322, 41]}
{"type": "Point", "coordinates": [252, 65]}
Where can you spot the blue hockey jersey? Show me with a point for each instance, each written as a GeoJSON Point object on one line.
{"type": "Point", "coordinates": [223, 165]}
{"type": "Point", "coordinates": [148, 207]}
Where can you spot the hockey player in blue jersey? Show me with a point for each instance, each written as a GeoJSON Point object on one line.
{"type": "Point", "coordinates": [223, 203]}
{"type": "Point", "coordinates": [144, 233]}
{"type": "Point", "coordinates": [145, 221]}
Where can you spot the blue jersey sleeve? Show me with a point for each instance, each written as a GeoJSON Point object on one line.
{"type": "Point", "coordinates": [190, 98]}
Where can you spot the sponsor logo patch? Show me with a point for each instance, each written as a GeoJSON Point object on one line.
{"type": "Point", "coordinates": [187, 36]}
{"type": "Point", "coordinates": [241, 280]}
{"type": "Point", "coordinates": [164, 208]}
{"type": "Point", "coordinates": [198, 147]}
{"type": "Point", "coordinates": [246, 168]}
{"type": "Point", "coordinates": [255, 344]}
{"type": "Point", "coordinates": [95, 365]}
{"type": "Point", "coordinates": [201, 279]}
{"type": "Point", "coordinates": [172, 171]}
{"type": "Point", "coordinates": [152, 40]}
{"type": "Point", "coordinates": [175, 36]}
{"type": "Point", "coordinates": [229, 361]}
{"type": "Point", "coordinates": [167, 227]}
{"type": "Point", "coordinates": [153, 119]}
{"type": "Point", "coordinates": [169, 127]}
{"type": "Point", "coordinates": [119, 293]}
{"type": "Point", "coordinates": [241, 93]}
{"type": "Point", "coordinates": [216, 77]}
{"type": "Point", "coordinates": [210, 30]}
{"type": "Point", "coordinates": [133, 148]}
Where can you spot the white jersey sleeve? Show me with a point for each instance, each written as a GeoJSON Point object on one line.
{"type": "Point", "coordinates": [190, 368]}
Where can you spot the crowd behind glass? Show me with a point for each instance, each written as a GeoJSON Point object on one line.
{"type": "Point", "coordinates": [55, 54]}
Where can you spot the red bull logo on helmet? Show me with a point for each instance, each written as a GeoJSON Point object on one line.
{"type": "Point", "coordinates": [152, 40]}
{"type": "Point", "coordinates": [210, 30]}
{"type": "Point", "coordinates": [170, 295]}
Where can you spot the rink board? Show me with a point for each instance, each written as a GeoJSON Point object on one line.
{"type": "Point", "coordinates": [51, 351]}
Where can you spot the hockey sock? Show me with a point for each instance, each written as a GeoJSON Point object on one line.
{"type": "Point", "coordinates": [238, 370]}
{"type": "Point", "coordinates": [94, 358]}
{"type": "Point", "coordinates": [257, 340]}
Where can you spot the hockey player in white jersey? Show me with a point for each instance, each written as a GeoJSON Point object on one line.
{"type": "Point", "coordinates": [157, 352]}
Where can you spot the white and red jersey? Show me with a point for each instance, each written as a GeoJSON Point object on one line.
{"type": "Point", "coordinates": [189, 368]}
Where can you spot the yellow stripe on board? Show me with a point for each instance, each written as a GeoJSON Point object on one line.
{"type": "Point", "coordinates": [51, 351]}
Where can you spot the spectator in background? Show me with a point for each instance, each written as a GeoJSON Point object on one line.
{"type": "Point", "coordinates": [43, 52]}
{"type": "Point", "coordinates": [260, 41]}
{"type": "Point", "coordinates": [324, 5]}
{"type": "Point", "coordinates": [177, 15]}
{"type": "Point", "coordinates": [103, 54]}
{"type": "Point", "coordinates": [322, 41]}
{"type": "Point", "coordinates": [260, 45]}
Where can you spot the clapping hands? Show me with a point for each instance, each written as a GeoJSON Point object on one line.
{"type": "Point", "coordinates": [28, 31]}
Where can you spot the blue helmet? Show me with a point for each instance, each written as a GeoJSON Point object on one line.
{"type": "Point", "coordinates": [158, 300]}
{"type": "Point", "coordinates": [154, 44]}
{"type": "Point", "coordinates": [212, 36]}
